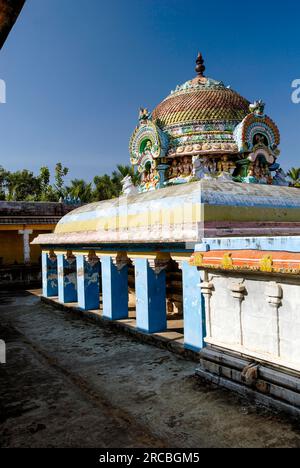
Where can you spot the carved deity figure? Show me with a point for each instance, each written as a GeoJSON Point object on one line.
{"type": "Point", "coordinates": [149, 180]}
{"type": "Point", "coordinates": [200, 168]}
{"type": "Point", "coordinates": [257, 172]}
{"type": "Point", "coordinates": [154, 178]}
{"type": "Point", "coordinates": [174, 170]}
{"type": "Point", "coordinates": [261, 171]}
{"type": "Point", "coordinates": [186, 167]}
{"type": "Point", "coordinates": [259, 139]}
{"type": "Point", "coordinates": [224, 165]}
{"type": "Point", "coordinates": [145, 178]}
{"type": "Point", "coordinates": [148, 149]}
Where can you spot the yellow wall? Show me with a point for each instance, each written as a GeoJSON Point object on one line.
{"type": "Point", "coordinates": [11, 243]}
{"type": "Point", "coordinates": [11, 248]}
{"type": "Point", "coordinates": [35, 250]}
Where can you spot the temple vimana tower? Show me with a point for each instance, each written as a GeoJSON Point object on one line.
{"type": "Point", "coordinates": [206, 130]}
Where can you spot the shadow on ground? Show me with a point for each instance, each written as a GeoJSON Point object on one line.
{"type": "Point", "coordinates": [71, 383]}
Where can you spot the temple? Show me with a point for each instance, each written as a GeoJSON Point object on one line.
{"type": "Point", "coordinates": [205, 130]}
{"type": "Point", "coordinates": [209, 236]}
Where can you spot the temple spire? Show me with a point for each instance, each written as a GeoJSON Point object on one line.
{"type": "Point", "coordinates": [200, 68]}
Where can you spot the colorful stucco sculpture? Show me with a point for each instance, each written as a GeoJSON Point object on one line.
{"type": "Point", "coordinates": [205, 130]}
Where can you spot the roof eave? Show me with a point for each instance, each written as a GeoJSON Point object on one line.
{"type": "Point", "coordinates": [9, 12]}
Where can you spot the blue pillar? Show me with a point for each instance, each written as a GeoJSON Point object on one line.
{"type": "Point", "coordinates": [114, 288]}
{"type": "Point", "coordinates": [67, 278]}
{"type": "Point", "coordinates": [49, 274]}
{"type": "Point", "coordinates": [162, 170]}
{"type": "Point", "coordinates": [88, 282]}
{"type": "Point", "coordinates": [193, 308]}
{"type": "Point", "coordinates": [150, 289]}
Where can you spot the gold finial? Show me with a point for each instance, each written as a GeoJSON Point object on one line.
{"type": "Point", "coordinates": [200, 68]}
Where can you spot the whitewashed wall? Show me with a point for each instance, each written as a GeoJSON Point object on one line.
{"type": "Point", "coordinates": [258, 316]}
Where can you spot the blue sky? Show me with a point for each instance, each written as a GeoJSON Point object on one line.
{"type": "Point", "coordinates": [77, 72]}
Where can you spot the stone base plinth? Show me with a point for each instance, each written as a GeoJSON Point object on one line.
{"type": "Point", "coordinates": [271, 387]}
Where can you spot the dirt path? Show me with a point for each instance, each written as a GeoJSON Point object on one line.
{"type": "Point", "coordinates": [71, 383]}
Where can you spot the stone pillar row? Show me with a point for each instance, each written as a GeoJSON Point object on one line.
{"type": "Point", "coordinates": [75, 278]}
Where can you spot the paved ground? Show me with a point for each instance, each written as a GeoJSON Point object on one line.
{"type": "Point", "coordinates": [71, 383]}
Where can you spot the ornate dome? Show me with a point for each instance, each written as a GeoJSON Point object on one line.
{"type": "Point", "coordinates": [204, 129]}
{"type": "Point", "coordinates": [201, 100]}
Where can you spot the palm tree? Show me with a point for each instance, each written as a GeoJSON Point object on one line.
{"type": "Point", "coordinates": [105, 188]}
{"type": "Point", "coordinates": [124, 171]}
{"type": "Point", "coordinates": [79, 189]}
{"type": "Point", "coordinates": [120, 174]}
{"type": "Point", "coordinates": [3, 182]}
{"type": "Point", "coordinates": [22, 185]}
{"type": "Point", "coordinates": [294, 175]}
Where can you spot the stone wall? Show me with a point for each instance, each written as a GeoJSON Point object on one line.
{"type": "Point", "coordinates": [20, 277]}
{"type": "Point", "coordinates": [33, 209]}
{"type": "Point", "coordinates": [255, 315]}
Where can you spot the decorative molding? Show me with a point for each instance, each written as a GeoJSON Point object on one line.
{"type": "Point", "coordinates": [253, 261]}
{"type": "Point", "coordinates": [158, 263]}
{"type": "Point", "coordinates": [120, 260]}
{"type": "Point", "coordinates": [266, 264]}
{"type": "Point", "coordinates": [238, 292]}
{"type": "Point", "coordinates": [207, 288]}
{"type": "Point", "coordinates": [227, 262]}
{"type": "Point", "coordinates": [274, 294]}
{"type": "Point", "coordinates": [69, 257]}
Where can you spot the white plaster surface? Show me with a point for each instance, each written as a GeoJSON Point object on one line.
{"type": "Point", "coordinates": [264, 325]}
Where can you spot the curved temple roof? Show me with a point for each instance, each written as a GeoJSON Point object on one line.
{"type": "Point", "coordinates": [184, 213]}
{"type": "Point", "coordinates": [201, 102]}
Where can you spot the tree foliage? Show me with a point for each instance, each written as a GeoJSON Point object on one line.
{"type": "Point", "coordinates": [25, 186]}
{"type": "Point", "coordinates": [294, 175]}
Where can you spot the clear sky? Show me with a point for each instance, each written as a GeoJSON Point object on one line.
{"type": "Point", "coordinates": [78, 70]}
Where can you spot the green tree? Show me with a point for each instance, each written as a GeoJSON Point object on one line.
{"type": "Point", "coordinates": [124, 171]}
{"type": "Point", "coordinates": [120, 174]}
{"type": "Point", "coordinates": [80, 189]}
{"type": "Point", "coordinates": [45, 187]}
{"type": "Point", "coordinates": [294, 175]}
{"type": "Point", "coordinates": [60, 174]}
{"type": "Point", "coordinates": [44, 177]}
{"type": "Point", "coordinates": [105, 188]}
{"type": "Point", "coordinates": [3, 182]}
{"type": "Point", "coordinates": [23, 186]}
